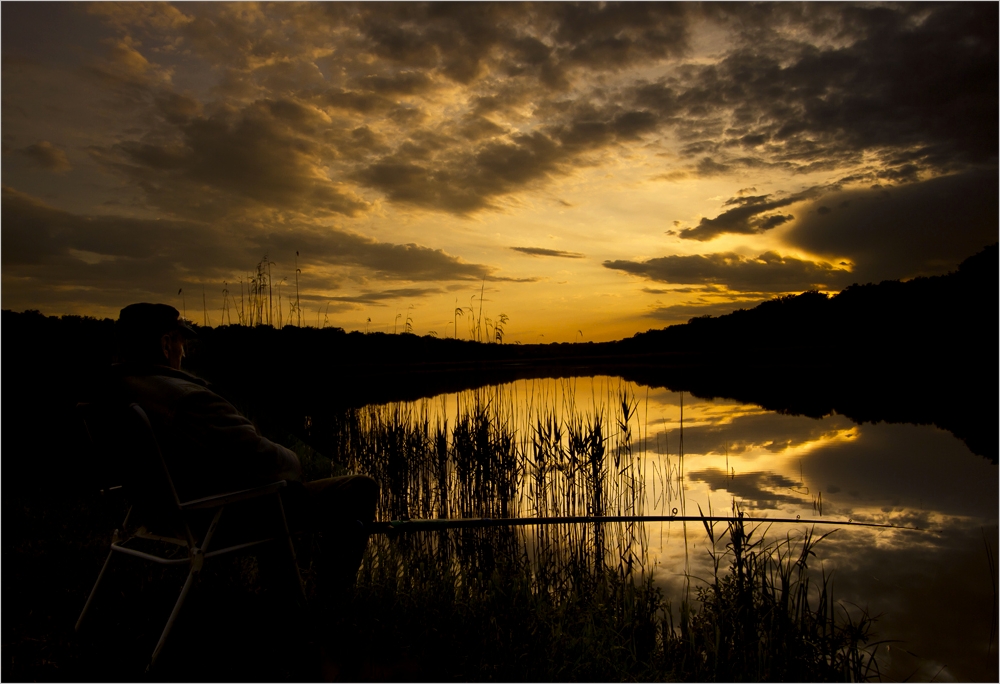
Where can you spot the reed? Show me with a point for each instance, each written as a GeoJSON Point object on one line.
{"type": "Point", "coordinates": [766, 619]}
{"type": "Point", "coordinates": [569, 601]}
{"type": "Point", "coordinates": [257, 305]}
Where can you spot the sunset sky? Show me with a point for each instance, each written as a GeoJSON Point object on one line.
{"type": "Point", "coordinates": [595, 170]}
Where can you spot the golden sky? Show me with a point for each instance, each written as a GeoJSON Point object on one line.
{"type": "Point", "coordinates": [593, 170]}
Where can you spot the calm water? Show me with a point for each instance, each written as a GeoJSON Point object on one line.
{"type": "Point", "coordinates": [934, 590]}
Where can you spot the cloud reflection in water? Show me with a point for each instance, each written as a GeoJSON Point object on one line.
{"type": "Point", "coordinates": [932, 589]}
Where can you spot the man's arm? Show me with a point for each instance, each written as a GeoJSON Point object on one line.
{"type": "Point", "coordinates": [221, 430]}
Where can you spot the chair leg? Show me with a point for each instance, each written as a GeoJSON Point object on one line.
{"type": "Point", "coordinates": [211, 529]}
{"type": "Point", "coordinates": [197, 562]}
{"type": "Point", "coordinates": [185, 590]}
{"type": "Point", "coordinates": [93, 592]}
{"type": "Point", "coordinates": [291, 552]}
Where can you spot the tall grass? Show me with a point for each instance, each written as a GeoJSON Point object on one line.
{"type": "Point", "coordinates": [766, 619]}
{"type": "Point", "coordinates": [567, 601]}
{"type": "Point", "coordinates": [257, 305]}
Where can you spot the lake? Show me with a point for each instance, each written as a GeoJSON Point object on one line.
{"type": "Point", "coordinates": [579, 446]}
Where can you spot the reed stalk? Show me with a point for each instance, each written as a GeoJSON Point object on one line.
{"type": "Point", "coordinates": [568, 601]}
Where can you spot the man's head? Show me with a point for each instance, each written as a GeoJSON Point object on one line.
{"type": "Point", "coordinates": [152, 334]}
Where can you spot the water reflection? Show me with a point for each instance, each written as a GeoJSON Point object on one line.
{"type": "Point", "coordinates": [594, 446]}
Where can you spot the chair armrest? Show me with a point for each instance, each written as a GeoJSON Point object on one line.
{"type": "Point", "coordinates": [232, 497]}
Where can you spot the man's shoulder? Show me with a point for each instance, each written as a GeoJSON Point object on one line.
{"type": "Point", "coordinates": [162, 384]}
{"type": "Point", "coordinates": [153, 373]}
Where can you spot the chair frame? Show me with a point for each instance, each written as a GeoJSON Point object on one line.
{"type": "Point", "coordinates": [197, 553]}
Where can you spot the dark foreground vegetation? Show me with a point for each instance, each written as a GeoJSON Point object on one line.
{"type": "Point", "coordinates": [566, 603]}
{"type": "Point", "coordinates": [758, 620]}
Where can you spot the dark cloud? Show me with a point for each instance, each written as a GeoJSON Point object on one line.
{"type": "Point", "coordinates": [707, 289]}
{"type": "Point", "coordinates": [124, 69]}
{"type": "Point", "coordinates": [507, 279]}
{"type": "Point", "coordinates": [48, 156]}
{"type": "Point", "coordinates": [406, 262]}
{"type": "Point", "coordinates": [774, 220]}
{"type": "Point", "coordinates": [413, 47]}
{"type": "Point", "coordinates": [681, 313]}
{"type": "Point", "coordinates": [406, 82]}
{"type": "Point", "coordinates": [544, 41]}
{"type": "Point", "coordinates": [477, 128]}
{"type": "Point", "coordinates": [231, 36]}
{"type": "Point", "coordinates": [768, 272]}
{"type": "Point", "coordinates": [358, 100]}
{"type": "Point", "coordinates": [376, 298]}
{"type": "Point", "coordinates": [34, 232]}
{"type": "Point", "coordinates": [262, 155]}
{"type": "Point", "coordinates": [33, 33]}
{"type": "Point", "coordinates": [709, 167]}
{"type": "Point", "coordinates": [178, 108]}
{"type": "Point", "coordinates": [920, 228]}
{"type": "Point", "coordinates": [106, 258]}
{"type": "Point", "coordinates": [757, 489]}
{"type": "Point", "coordinates": [897, 92]}
{"type": "Point", "coordinates": [780, 97]}
{"type": "Point", "coordinates": [750, 214]}
{"type": "Point", "coordinates": [541, 251]}
{"type": "Point", "coordinates": [901, 83]}
{"type": "Point", "coordinates": [613, 35]}
{"type": "Point", "coordinates": [466, 180]}
{"type": "Point", "coordinates": [68, 261]}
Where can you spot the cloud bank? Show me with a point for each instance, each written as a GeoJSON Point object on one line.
{"type": "Point", "coordinates": [541, 251]}
{"type": "Point", "coordinates": [238, 130]}
{"type": "Point", "coordinates": [769, 272]}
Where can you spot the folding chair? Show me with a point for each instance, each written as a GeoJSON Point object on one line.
{"type": "Point", "coordinates": [125, 436]}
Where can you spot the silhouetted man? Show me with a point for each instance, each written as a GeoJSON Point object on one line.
{"type": "Point", "coordinates": [210, 447]}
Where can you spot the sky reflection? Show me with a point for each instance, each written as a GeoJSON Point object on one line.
{"type": "Point", "coordinates": [932, 589]}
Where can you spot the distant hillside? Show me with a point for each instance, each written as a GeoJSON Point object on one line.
{"type": "Point", "coordinates": [926, 317]}
{"type": "Point", "coordinates": [922, 351]}
{"type": "Point", "coordinates": [916, 321]}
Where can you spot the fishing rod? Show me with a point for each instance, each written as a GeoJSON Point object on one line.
{"type": "Point", "coordinates": [431, 524]}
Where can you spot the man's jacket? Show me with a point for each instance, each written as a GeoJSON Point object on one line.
{"type": "Point", "coordinates": [208, 445]}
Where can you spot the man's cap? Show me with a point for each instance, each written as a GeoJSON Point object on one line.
{"type": "Point", "coordinates": [153, 320]}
